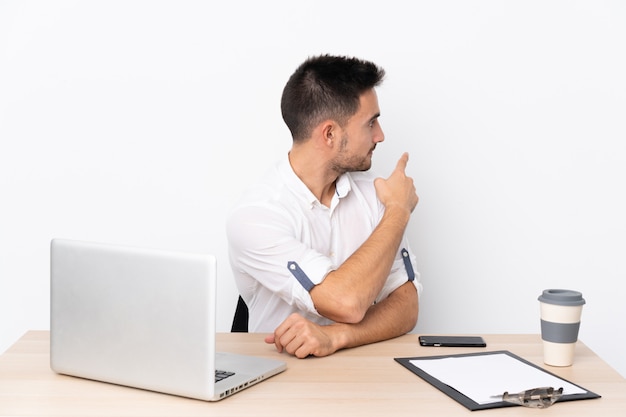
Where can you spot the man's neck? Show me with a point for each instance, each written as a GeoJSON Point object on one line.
{"type": "Point", "coordinates": [315, 174]}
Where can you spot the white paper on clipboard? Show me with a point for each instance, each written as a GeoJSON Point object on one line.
{"type": "Point", "coordinates": [483, 378]}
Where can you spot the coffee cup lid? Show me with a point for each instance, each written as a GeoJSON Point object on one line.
{"type": "Point", "coordinates": [562, 297]}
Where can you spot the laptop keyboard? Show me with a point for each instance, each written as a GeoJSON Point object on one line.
{"type": "Point", "coordinates": [220, 375]}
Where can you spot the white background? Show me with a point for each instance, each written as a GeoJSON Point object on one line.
{"type": "Point", "coordinates": [140, 122]}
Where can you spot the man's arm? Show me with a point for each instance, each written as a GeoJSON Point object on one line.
{"type": "Point", "coordinates": [392, 317]}
{"type": "Point", "coordinates": [347, 293]}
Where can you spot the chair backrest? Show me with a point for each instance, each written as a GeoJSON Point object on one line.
{"type": "Point", "coordinates": [240, 320]}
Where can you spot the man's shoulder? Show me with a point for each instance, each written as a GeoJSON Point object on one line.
{"type": "Point", "coordinates": [269, 191]}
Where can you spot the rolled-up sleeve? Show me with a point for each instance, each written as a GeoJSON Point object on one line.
{"type": "Point", "coordinates": [402, 270]}
{"type": "Point", "coordinates": [262, 249]}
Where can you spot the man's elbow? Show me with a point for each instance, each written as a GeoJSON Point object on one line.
{"type": "Point", "coordinates": [411, 320]}
{"type": "Point", "coordinates": [351, 313]}
{"type": "Point", "coordinates": [347, 310]}
{"type": "Point", "coordinates": [408, 303]}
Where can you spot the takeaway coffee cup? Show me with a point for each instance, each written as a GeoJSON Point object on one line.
{"type": "Point", "coordinates": [560, 321]}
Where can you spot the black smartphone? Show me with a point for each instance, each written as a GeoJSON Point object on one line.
{"type": "Point", "coordinates": [452, 341]}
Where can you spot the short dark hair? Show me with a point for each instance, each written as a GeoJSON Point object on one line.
{"type": "Point", "coordinates": [326, 87]}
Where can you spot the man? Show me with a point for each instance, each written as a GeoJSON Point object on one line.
{"type": "Point", "coordinates": [317, 247]}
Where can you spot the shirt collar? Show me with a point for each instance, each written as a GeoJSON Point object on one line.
{"type": "Point", "coordinates": [342, 186]}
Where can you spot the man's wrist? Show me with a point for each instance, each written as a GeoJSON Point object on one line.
{"type": "Point", "coordinates": [398, 214]}
{"type": "Point", "coordinates": [340, 336]}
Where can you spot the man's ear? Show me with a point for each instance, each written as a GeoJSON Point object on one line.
{"type": "Point", "coordinates": [329, 132]}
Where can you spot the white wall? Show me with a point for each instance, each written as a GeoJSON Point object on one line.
{"type": "Point", "coordinates": [139, 122]}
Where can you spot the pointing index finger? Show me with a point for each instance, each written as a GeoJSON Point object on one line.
{"type": "Point", "coordinates": [402, 162]}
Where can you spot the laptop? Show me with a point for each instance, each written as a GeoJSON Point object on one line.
{"type": "Point", "coordinates": [143, 318]}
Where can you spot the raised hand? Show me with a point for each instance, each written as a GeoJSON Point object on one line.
{"type": "Point", "coordinates": [398, 189]}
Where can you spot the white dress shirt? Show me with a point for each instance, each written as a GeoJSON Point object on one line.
{"type": "Point", "coordinates": [282, 241]}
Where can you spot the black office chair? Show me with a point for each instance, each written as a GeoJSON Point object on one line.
{"type": "Point", "coordinates": [240, 321]}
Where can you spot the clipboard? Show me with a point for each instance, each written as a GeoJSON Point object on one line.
{"type": "Point", "coordinates": [468, 402]}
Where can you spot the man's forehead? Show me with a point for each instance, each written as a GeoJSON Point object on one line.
{"type": "Point", "coordinates": [368, 104]}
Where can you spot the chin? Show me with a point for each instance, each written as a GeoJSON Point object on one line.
{"type": "Point", "coordinates": [365, 166]}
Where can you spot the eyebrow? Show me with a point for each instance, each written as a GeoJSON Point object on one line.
{"type": "Point", "coordinates": [374, 117]}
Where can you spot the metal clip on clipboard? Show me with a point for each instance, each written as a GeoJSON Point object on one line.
{"type": "Point", "coordinates": [534, 398]}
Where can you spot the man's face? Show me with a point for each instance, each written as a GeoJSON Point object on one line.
{"type": "Point", "coordinates": [359, 137]}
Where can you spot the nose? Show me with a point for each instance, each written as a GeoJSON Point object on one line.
{"type": "Point", "coordinates": [379, 135]}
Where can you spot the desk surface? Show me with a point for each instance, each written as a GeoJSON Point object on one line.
{"type": "Point", "coordinates": [363, 381]}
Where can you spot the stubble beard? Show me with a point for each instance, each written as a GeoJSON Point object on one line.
{"type": "Point", "coordinates": [351, 163]}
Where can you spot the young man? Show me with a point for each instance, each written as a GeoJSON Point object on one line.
{"type": "Point", "coordinates": [317, 247]}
